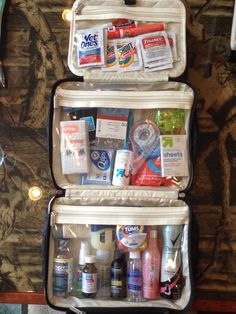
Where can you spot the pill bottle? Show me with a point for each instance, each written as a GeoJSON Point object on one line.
{"type": "Point", "coordinates": [89, 277]}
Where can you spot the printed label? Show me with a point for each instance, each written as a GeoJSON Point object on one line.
{"type": "Point", "coordinates": [156, 41]}
{"type": "Point", "coordinates": [62, 275]}
{"type": "Point", "coordinates": [135, 280]}
{"type": "Point", "coordinates": [174, 155]}
{"type": "Point", "coordinates": [89, 283]}
{"type": "Point", "coordinates": [111, 127]}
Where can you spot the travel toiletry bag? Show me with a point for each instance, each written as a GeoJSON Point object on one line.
{"type": "Point", "coordinates": [120, 158]}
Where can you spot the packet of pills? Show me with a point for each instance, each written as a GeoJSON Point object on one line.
{"type": "Point", "coordinates": [155, 47]}
{"type": "Point", "coordinates": [111, 57]}
{"type": "Point", "coordinates": [90, 47]}
{"type": "Point", "coordinates": [129, 54]}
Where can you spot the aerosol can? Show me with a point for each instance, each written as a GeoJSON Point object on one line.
{"type": "Point", "coordinates": [171, 267]}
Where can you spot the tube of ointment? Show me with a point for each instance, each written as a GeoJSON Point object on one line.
{"type": "Point", "coordinates": [122, 24]}
{"type": "Point", "coordinates": [135, 31]}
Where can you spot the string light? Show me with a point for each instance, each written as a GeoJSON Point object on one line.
{"type": "Point", "coordinates": [67, 15]}
{"type": "Point", "coordinates": [35, 193]}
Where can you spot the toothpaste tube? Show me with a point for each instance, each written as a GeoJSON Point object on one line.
{"type": "Point", "coordinates": [101, 166]}
{"type": "Point", "coordinates": [135, 31]}
{"type": "Point", "coordinates": [155, 46]}
{"type": "Point", "coordinates": [111, 58]}
{"type": "Point", "coordinates": [129, 55]}
{"type": "Point", "coordinates": [121, 24]}
{"type": "Point", "coordinates": [90, 47]}
{"type": "Point", "coordinates": [74, 147]}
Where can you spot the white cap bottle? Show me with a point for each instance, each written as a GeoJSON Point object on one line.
{"type": "Point", "coordinates": [84, 251]}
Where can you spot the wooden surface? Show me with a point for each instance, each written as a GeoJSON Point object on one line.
{"type": "Point", "coordinates": [203, 305]}
{"type": "Point", "coordinates": [35, 56]}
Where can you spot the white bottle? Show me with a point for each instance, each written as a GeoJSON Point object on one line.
{"type": "Point", "coordinates": [134, 287]}
{"type": "Point", "coordinates": [121, 172]}
{"type": "Point", "coordinates": [104, 273]}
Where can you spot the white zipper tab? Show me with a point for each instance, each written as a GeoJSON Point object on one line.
{"type": "Point", "coordinates": [52, 219]}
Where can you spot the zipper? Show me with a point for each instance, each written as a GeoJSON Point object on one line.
{"type": "Point", "coordinates": [113, 215]}
{"type": "Point", "coordinates": [129, 100]}
{"type": "Point", "coordinates": [145, 14]}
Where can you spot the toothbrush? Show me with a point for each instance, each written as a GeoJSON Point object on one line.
{"type": "Point", "coordinates": [129, 126]}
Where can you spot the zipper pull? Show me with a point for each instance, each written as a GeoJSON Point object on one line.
{"type": "Point", "coordinates": [130, 2]}
{"type": "Point", "coordinates": [75, 310]}
{"type": "Point", "coordinates": [52, 220]}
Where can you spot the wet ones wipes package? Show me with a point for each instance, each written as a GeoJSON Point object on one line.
{"type": "Point", "coordinates": [90, 47]}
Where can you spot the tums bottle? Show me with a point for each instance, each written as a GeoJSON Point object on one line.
{"type": "Point", "coordinates": [134, 289]}
{"type": "Point", "coordinates": [151, 268]}
{"type": "Point", "coordinates": [62, 270]}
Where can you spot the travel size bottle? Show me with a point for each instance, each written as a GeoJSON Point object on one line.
{"type": "Point", "coordinates": [103, 270]}
{"type": "Point", "coordinates": [151, 268]}
{"type": "Point", "coordinates": [84, 251]}
{"type": "Point", "coordinates": [62, 270]}
{"type": "Point", "coordinates": [134, 289]}
{"type": "Point", "coordinates": [118, 276]}
{"type": "Point", "coordinates": [89, 277]}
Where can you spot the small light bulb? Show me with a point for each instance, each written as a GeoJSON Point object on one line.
{"type": "Point", "coordinates": [67, 15]}
{"type": "Point", "coordinates": [35, 193]}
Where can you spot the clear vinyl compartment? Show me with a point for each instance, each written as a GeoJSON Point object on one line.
{"type": "Point", "coordinates": [125, 248]}
{"type": "Point", "coordinates": [121, 137]}
{"type": "Point", "coordinates": [110, 41]}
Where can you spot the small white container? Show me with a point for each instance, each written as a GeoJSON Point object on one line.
{"type": "Point", "coordinates": [121, 173]}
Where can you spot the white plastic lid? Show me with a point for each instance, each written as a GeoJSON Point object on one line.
{"type": "Point", "coordinates": [102, 255]}
{"type": "Point", "coordinates": [84, 251]}
{"type": "Point", "coordinates": [90, 259]}
{"type": "Point", "coordinates": [134, 254]}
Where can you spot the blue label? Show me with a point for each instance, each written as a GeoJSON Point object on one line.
{"type": "Point", "coordinates": [100, 159]}
{"type": "Point", "coordinates": [90, 122]}
{"type": "Point", "coordinates": [135, 280]}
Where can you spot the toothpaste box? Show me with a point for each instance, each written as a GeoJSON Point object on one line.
{"type": "Point", "coordinates": [74, 147]}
